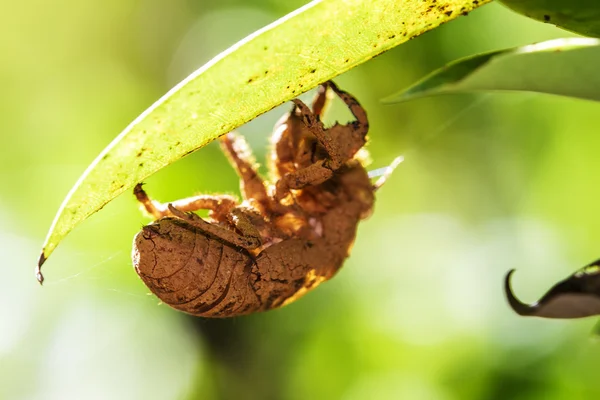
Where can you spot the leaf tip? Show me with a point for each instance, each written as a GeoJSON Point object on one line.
{"type": "Point", "coordinates": [517, 306]}
{"type": "Point", "coordinates": [38, 268]}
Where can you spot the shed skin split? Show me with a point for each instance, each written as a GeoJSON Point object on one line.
{"type": "Point", "coordinates": [287, 236]}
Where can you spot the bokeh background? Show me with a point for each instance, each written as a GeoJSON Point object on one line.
{"type": "Point", "coordinates": [490, 182]}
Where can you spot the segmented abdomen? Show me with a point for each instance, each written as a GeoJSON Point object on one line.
{"type": "Point", "coordinates": [193, 272]}
{"type": "Point", "coordinates": [204, 276]}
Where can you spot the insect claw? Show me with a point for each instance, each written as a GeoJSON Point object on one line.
{"type": "Point", "coordinates": [177, 213]}
{"type": "Point", "coordinates": [333, 86]}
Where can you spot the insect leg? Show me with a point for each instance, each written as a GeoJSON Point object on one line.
{"type": "Point", "coordinates": [153, 207]}
{"type": "Point", "coordinates": [340, 141]}
{"type": "Point", "coordinates": [289, 147]}
{"type": "Point", "coordinates": [240, 157]}
{"type": "Point", "coordinates": [242, 220]}
{"type": "Point", "coordinates": [219, 206]}
{"type": "Point", "coordinates": [313, 121]}
{"type": "Point", "coordinates": [362, 123]}
{"type": "Point", "coordinates": [314, 174]}
{"type": "Point", "coordinates": [320, 101]}
{"type": "Point", "coordinates": [330, 142]}
{"type": "Point", "coordinates": [247, 242]}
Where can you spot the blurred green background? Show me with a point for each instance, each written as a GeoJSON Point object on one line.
{"type": "Point", "coordinates": [490, 182]}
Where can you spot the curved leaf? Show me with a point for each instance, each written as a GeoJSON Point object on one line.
{"type": "Point", "coordinates": [567, 67]}
{"type": "Point", "coordinates": [294, 54]}
{"type": "Point", "coordinates": [580, 16]}
{"type": "Point", "coordinates": [577, 296]}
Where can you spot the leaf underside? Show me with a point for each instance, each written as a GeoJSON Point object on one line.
{"type": "Point", "coordinates": [579, 16]}
{"type": "Point", "coordinates": [566, 67]}
{"type": "Point", "coordinates": [294, 54]}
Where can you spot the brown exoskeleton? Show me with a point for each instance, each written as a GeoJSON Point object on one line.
{"type": "Point", "coordinates": [285, 238]}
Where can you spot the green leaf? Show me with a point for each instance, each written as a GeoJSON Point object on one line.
{"type": "Point", "coordinates": [567, 67]}
{"type": "Point", "coordinates": [579, 16]}
{"type": "Point", "coordinates": [577, 296]}
{"type": "Point", "coordinates": [277, 63]}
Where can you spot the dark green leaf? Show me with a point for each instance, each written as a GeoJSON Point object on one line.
{"type": "Point", "coordinates": [577, 296]}
{"type": "Point", "coordinates": [580, 16]}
